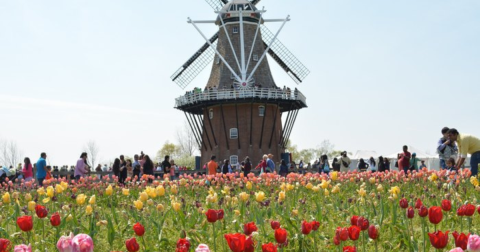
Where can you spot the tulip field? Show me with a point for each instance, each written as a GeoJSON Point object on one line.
{"type": "Point", "coordinates": [393, 211]}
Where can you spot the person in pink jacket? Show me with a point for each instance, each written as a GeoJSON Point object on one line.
{"type": "Point", "coordinates": [27, 170]}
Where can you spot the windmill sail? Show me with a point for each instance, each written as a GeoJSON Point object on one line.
{"type": "Point", "coordinates": [202, 58]}
{"type": "Point", "coordinates": [216, 4]}
{"type": "Point", "coordinates": [255, 2]}
{"type": "Point", "coordinates": [294, 68]}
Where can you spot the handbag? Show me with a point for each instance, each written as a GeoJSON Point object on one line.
{"type": "Point", "coordinates": [345, 164]}
{"type": "Point", "coordinates": [326, 168]}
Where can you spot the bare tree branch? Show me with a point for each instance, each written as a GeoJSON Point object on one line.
{"type": "Point", "coordinates": [186, 141]}
{"type": "Point", "coordinates": [10, 154]}
{"type": "Point", "coordinates": [92, 150]}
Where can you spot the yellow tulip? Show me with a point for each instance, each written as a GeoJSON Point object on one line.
{"type": "Point", "coordinates": [237, 212]}
{"type": "Point", "coordinates": [109, 190]}
{"type": "Point", "coordinates": [6, 198]}
{"type": "Point", "coordinates": [64, 185]}
{"type": "Point", "coordinates": [81, 199]}
{"type": "Point", "coordinates": [125, 191]}
{"type": "Point", "coordinates": [290, 187]}
{"type": "Point", "coordinates": [334, 176]}
{"type": "Point", "coordinates": [372, 180]}
{"type": "Point", "coordinates": [380, 188]}
{"type": "Point", "coordinates": [226, 190]}
{"type": "Point", "coordinates": [324, 184]}
{"type": "Point", "coordinates": [249, 185]}
{"type": "Point", "coordinates": [309, 186]}
{"type": "Point", "coordinates": [160, 190]}
{"type": "Point", "coordinates": [28, 197]}
{"type": "Point", "coordinates": [46, 200]}
{"type": "Point", "coordinates": [474, 181]}
{"type": "Point", "coordinates": [160, 208]}
{"type": "Point", "coordinates": [151, 192]}
{"type": "Point", "coordinates": [260, 196]}
{"type": "Point", "coordinates": [362, 192]}
{"type": "Point", "coordinates": [244, 196]}
{"type": "Point", "coordinates": [58, 189]}
{"type": "Point", "coordinates": [143, 196]}
{"type": "Point", "coordinates": [283, 186]}
{"type": "Point", "coordinates": [433, 177]}
{"type": "Point", "coordinates": [174, 189]}
{"type": "Point", "coordinates": [138, 204]}
{"type": "Point", "coordinates": [102, 223]}
{"type": "Point", "coordinates": [212, 198]}
{"type": "Point", "coordinates": [92, 200]}
{"type": "Point", "coordinates": [41, 191]}
{"type": "Point", "coordinates": [65, 208]}
{"type": "Point", "coordinates": [176, 205]}
{"type": "Point", "coordinates": [234, 200]}
{"type": "Point", "coordinates": [150, 202]}
{"type": "Point", "coordinates": [183, 182]}
{"type": "Point", "coordinates": [31, 205]}
{"type": "Point", "coordinates": [394, 190]}
{"type": "Point", "coordinates": [69, 217]}
{"type": "Point", "coordinates": [16, 195]}
{"type": "Point", "coordinates": [88, 210]}
{"type": "Point", "coordinates": [316, 189]}
{"type": "Point", "coordinates": [281, 196]}
{"type": "Point", "coordinates": [326, 192]}
{"type": "Point", "coordinates": [294, 212]}
{"type": "Point", "coordinates": [336, 189]}
{"type": "Point", "coordinates": [50, 192]}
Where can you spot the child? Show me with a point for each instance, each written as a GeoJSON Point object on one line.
{"type": "Point", "coordinates": [451, 165]}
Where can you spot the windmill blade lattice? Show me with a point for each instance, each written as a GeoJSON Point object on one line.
{"type": "Point", "coordinates": [294, 68]}
{"type": "Point", "coordinates": [216, 4]}
{"type": "Point", "coordinates": [202, 58]}
{"type": "Point", "coordinates": [255, 2]}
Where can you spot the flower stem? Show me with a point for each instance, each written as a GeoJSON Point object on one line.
{"type": "Point", "coordinates": [214, 238]}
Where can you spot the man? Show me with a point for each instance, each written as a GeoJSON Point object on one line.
{"type": "Point", "coordinates": [123, 170]}
{"type": "Point", "coordinates": [212, 166]}
{"type": "Point", "coordinates": [422, 165]}
{"type": "Point", "coordinates": [41, 168]}
{"type": "Point", "coordinates": [345, 162]}
{"type": "Point", "coordinates": [414, 162]}
{"type": "Point", "coordinates": [405, 161]}
{"type": "Point", "coordinates": [270, 164]}
{"type": "Point", "coordinates": [446, 149]}
{"type": "Point", "coordinates": [166, 165]}
{"type": "Point", "coordinates": [136, 166]}
{"type": "Point", "coordinates": [467, 144]}
{"type": "Point", "coordinates": [80, 168]}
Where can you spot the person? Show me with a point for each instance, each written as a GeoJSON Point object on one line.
{"type": "Point", "coordinates": [450, 164]}
{"type": "Point", "coordinates": [99, 170]}
{"type": "Point", "coordinates": [148, 167]}
{"type": "Point", "coordinates": [283, 168]}
{"type": "Point", "coordinates": [387, 164]}
{"type": "Point", "coordinates": [444, 148]}
{"type": "Point", "coordinates": [212, 166]}
{"type": "Point", "coordinates": [41, 168]}
{"type": "Point", "coordinates": [423, 165]}
{"type": "Point", "coordinates": [173, 169]}
{"type": "Point", "coordinates": [413, 165]}
{"type": "Point", "coordinates": [166, 165]}
{"type": "Point", "coordinates": [105, 168]}
{"type": "Point", "coordinates": [116, 167]}
{"type": "Point", "coordinates": [263, 164]}
{"type": "Point", "coordinates": [405, 161]}
{"type": "Point", "coordinates": [381, 164]}
{"type": "Point", "coordinates": [136, 167]}
{"type": "Point", "coordinates": [336, 165]}
{"type": "Point", "coordinates": [247, 167]}
{"type": "Point", "coordinates": [226, 168]}
{"type": "Point", "coordinates": [80, 168]}
{"type": "Point", "coordinates": [123, 170]}
{"type": "Point", "coordinates": [324, 166]}
{"type": "Point", "coordinates": [362, 165]}
{"type": "Point", "coordinates": [27, 170]}
{"type": "Point", "coordinates": [129, 168]}
{"type": "Point", "coordinates": [467, 144]}
{"type": "Point", "coordinates": [345, 162]}
{"type": "Point", "coordinates": [270, 164]}
{"type": "Point", "coordinates": [49, 173]}
{"type": "Point", "coordinates": [373, 164]}
{"type": "Point", "coordinates": [300, 167]}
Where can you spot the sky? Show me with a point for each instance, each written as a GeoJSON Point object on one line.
{"type": "Point", "coordinates": [383, 73]}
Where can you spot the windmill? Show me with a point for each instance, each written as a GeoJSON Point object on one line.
{"type": "Point", "coordinates": [239, 112]}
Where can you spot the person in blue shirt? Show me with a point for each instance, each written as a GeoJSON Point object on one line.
{"type": "Point", "coordinates": [270, 164]}
{"type": "Point", "coordinates": [41, 168]}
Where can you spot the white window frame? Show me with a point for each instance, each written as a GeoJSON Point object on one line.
{"type": "Point", "coordinates": [255, 57]}
{"type": "Point", "coordinates": [260, 110]}
{"type": "Point", "coordinates": [235, 29]}
{"type": "Point", "coordinates": [210, 113]}
{"type": "Point", "coordinates": [233, 158]}
{"type": "Point", "coordinates": [232, 133]}
{"type": "Point", "coordinates": [217, 60]}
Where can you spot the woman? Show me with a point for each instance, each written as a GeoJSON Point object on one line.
{"type": "Point", "coordinates": [173, 169]}
{"type": "Point", "coordinates": [247, 167]}
{"type": "Point", "coordinates": [387, 164]}
{"type": "Point", "coordinates": [381, 164]}
{"type": "Point", "coordinates": [336, 165]}
{"type": "Point", "coordinates": [373, 164]}
{"type": "Point", "coordinates": [283, 168]}
{"type": "Point", "coordinates": [129, 168]}
{"type": "Point", "coordinates": [362, 166]}
{"type": "Point", "coordinates": [324, 166]}
{"type": "Point", "coordinates": [99, 170]}
{"type": "Point", "coordinates": [263, 164]}
{"type": "Point", "coordinates": [116, 167]}
{"type": "Point", "coordinates": [147, 166]}
{"type": "Point", "coordinates": [27, 170]}
{"type": "Point", "coordinates": [226, 167]}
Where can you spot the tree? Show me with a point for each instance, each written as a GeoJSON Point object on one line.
{"type": "Point", "coordinates": [91, 148]}
{"type": "Point", "coordinates": [307, 155]}
{"type": "Point", "coordinates": [169, 149]}
{"type": "Point", "coordinates": [10, 154]}
{"type": "Point", "coordinates": [293, 149]}
{"type": "Point", "coordinates": [187, 145]}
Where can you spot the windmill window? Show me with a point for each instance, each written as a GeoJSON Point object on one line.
{"type": "Point", "coordinates": [210, 114]}
{"type": "Point", "coordinates": [234, 160]}
{"type": "Point", "coordinates": [217, 60]}
{"type": "Point", "coordinates": [255, 57]}
{"type": "Point", "coordinates": [235, 29]}
{"type": "Point", "coordinates": [261, 111]}
{"type": "Point", "coordinates": [233, 133]}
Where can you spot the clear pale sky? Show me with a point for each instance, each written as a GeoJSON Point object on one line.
{"type": "Point", "coordinates": [383, 73]}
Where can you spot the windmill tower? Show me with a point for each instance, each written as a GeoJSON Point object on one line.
{"type": "Point", "coordinates": [239, 112]}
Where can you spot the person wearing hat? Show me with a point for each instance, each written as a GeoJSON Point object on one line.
{"type": "Point", "coordinates": [345, 162]}
{"type": "Point", "coordinates": [212, 166]}
{"type": "Point", "coordinates": [414, 162]}
{"type": "Point", "coordinates": [270, 164]}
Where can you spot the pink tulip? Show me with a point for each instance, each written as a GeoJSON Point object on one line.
{"type": "Point", "coordinates": [473, 243]}
{"type": "Point", "coordinates": [202, 248]}
{"type": "Point", "coordinates": [22, 248]}
{"type": "Point", "coordinates": [64, 244]}
{"type": "Point", "coordinates": [82, 243]}
{"type": "Point", "coordinates": [456, 250]}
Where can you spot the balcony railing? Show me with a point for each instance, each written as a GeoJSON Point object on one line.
{"type": "Point", "coordinates": [259, 93]}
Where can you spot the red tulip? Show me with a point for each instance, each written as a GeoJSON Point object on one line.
{"type": "Point", "coordinates": [5, 245]}
{"type": "Point", "coordinates": [469, 210]}
{"type": "Point", "coordinates": [132, 245]}
{"type": "Point", "coordinates": [315, 225]}
{"type": "Point", "coordinates": [403, 203]}
{"type": "Point", "coordinates": [249, 228]}
{"type": "Point", "coordinates": [446, 205]}
{"type": "Point", "coordinates": [410, 212]}
{"type": "Point", "coordinates": [363, 223]}
{"type": "Point", "coordinates": [236, 242]}
{"type": "Point", "coordinates": [55, 220]}
{"type": "Point", "coordinates": [306, 227]}
{"type": "Point", "coordinates": [183, 245]}
{"type": "Point", "coordinates": [281, 235]}
{"type": "Point", "coordinates": [354, 232]}
{"type": "Point", "coordinates": [435, 215]}
{"type": "Point", "coordinates": [275, 224]}
{"type": "Point", "coordinates": [461, 240]}
{"type": "Point", "coordinates": [418, 204]}
{"type": "Point", "coordinates": [439, 239]}
{"type": "Point", "coordinates": [423, 211]}
{"type": "Point", "coordinates": [25, 223]}
{"type": "Point", "coordinates": [269, 247]}
{"type": "Point", "coordinates": [220, 214]}
{"type": "Point", "coordinates": [139, 229]}
{"type": "Point", "coordinates": [41, 211]}
{"type": "Point", "coordinates": [212, 215]}
{"type": "Point", "coordinates": [249, 245]}
{"type": "Point", "coordinates": [353, 220]}
{"type": "Point", "coordinates": [336, 240]}
{"type": "Point", "coordinates": [342, 233]}
{"type": "Point", "coordinates": [478, 210]}
{"type": "Point", "coordinates": [373, 232]}
{"type": "Point", "coordinates": [349, 249]}
{"type": "Point", "coordinates": [461, 210]}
